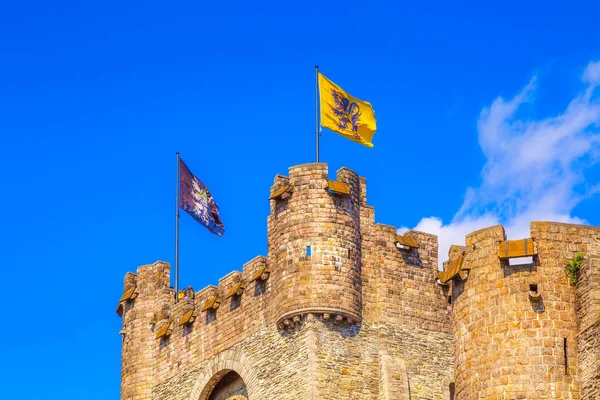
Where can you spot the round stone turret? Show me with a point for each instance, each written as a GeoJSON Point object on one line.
{"type": "Point", "coordinates": [515, 322]}
{"type": "Point", "coordinates": [145, 294]}
{"type": "Point", "coordinates": [315, 245]}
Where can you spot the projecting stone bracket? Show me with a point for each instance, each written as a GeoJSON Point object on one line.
{"type": "Point", "coordinates": [296, 318]}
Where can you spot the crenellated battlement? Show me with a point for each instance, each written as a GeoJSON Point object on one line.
{"type": "Point", "coordinates": [340, 298]}
{"type": "Point", "coordinates": [501, 301]}
{"type": "Point", "coordinates": [153, 278]}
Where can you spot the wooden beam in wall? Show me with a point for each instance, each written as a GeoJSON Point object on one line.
{"type": "Point", "coordinates": [516, 248]}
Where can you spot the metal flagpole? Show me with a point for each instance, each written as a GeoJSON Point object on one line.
{"type": "Point", "coordinates": [177, 194]}
{"type": "Point", "coordinates": [317, 109]}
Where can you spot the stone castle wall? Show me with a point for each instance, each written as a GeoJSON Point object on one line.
{"type": "Point", "coordinates": [508, 344]}
{"type": "Point", "coordinates": [138, 349]}
{"type": "Point", "coordinates": [358, 318]}
{"type": "Point", "coordinates": [588, 336]}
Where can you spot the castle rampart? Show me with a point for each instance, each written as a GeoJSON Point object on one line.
{"type": "Point", "coordinates": [343, 308]}
{"type": "Point", "coordinates": [515, 326]}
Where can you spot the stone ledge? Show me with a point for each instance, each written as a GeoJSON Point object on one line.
{"type": "Point", "coordinates": [291, 319]}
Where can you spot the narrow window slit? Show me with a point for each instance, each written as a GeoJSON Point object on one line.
{"type": "Point", "coordinates": [308, 251]}
{"type": "Point", "coordinates": [566, 359]}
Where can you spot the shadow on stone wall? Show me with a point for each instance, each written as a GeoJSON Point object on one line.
{"type": "Point", "coordinates": [514, 269]}
{"type": "Point", "coordinates": [412, 258]}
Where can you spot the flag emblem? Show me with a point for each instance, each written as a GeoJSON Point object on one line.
{"type": "Point", "coordinates": [196, 200]}
{"type": "Point", "coordinates": [348, 113]}
{"type": "Point", "coordinates": [348, 116]}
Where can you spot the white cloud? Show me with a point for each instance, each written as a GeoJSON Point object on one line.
{"type": "Point", "coordinates": [592, 73]}
{"type": "Point", "coordinates": [534, 169]}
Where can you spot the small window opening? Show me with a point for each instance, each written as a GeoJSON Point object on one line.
{"type": "Point", "coordinates": [566, 359]}
{"type": "Point", "coordinates": [520, 261]}
{"type": "Point", "coordinates": [187, 329]}
{"type": "Point", "coordinates": [211, 315]}
{"type": "Point", "coordinates": [533, 288]}
{"type": "Point", "coordinates": [308, 251]}
{"type": "Point", "coordinates": [449, 299]}
{"type": "Point", "coordinates": [163, 342]}
{"type": "Point", "coordinates": [350, 254]}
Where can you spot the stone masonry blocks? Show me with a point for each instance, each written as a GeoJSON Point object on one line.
{"type": "Point", "coordinates": [355, 317]}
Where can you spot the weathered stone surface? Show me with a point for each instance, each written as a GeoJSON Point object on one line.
{"type": "Point", "coordinates": [336, 311]}
{"type": "Point", "coordinates": [588, 337]}
{"type": "Point", "coordinates": [509, 344]}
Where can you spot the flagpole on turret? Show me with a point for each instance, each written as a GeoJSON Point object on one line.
{"type": "Point", "coordinates": [317, 108]}
{"type": "Point", "coordinates": [177, 194]}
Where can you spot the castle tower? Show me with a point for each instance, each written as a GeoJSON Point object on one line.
{"type": "Point", "coordinates": [515, 323]}
{"type": "Point", "coordinates": [145, 297]}
{"type": "Point", "coordinates": [344, 308]}
{"type": "Point", "coordinates": [315, 244]}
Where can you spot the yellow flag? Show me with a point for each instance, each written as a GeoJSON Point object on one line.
{"type": "Point", "coordinates": [350, 117]}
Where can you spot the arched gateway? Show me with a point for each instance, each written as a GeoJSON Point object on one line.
{"type": "Point", "coordinates": [230, 387]}
{"type": "Point", "coordinates": [228, 376]}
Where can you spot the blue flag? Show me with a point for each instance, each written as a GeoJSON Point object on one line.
{"type": "Point", "coordinates": [196, 200]}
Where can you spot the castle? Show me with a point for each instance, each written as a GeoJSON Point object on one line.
{"type": "Point", "coordinates": [343, 308]}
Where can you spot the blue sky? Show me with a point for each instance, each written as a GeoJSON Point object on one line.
{"type": "Point", "coordinates": [487, 112]}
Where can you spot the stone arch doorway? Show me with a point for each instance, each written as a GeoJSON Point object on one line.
{"type": "Point", "coordinates": [230, 386]}
{"type": "Point", "coordinates": [228, 373]}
